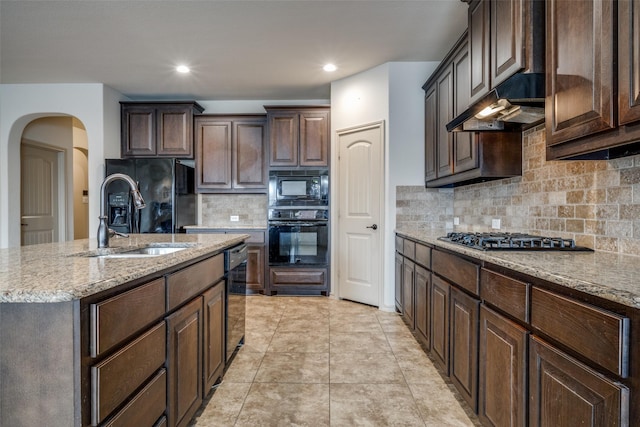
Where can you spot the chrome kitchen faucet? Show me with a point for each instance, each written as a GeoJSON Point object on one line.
{"type": "Point", "coordinates": [138, 201]}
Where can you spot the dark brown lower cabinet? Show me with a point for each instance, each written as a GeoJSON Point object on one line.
{"type": "Point", "coordinates": [463, 352]}
{"type": "Point", "coordinates": [298, 280]}
{"type": "Point", "coordinates": [214, 339]}
{"type": "Point", "coordinates": [440, 291]}
{"type": "Point", "coordinates": [422, 285]}
{"type": "Point", "coordinates": [184, 363]}
{"type": "Point", "coordinates": [564, 392]}
{"type": "Point", "coordinates": [502, 395]}
{"type": "Point", "coordinates": [399, 262]}
{"type": "Point", "coordinates": [255, 268]}
{"type": "Point", "coordinates": [408, 269]}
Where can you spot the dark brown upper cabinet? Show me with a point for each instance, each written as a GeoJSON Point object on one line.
{"type": "Point", "coordinates": [505, 37]}
{"type": "Point", "coordinates": [231, 154]}
{"type": "Point", "coordinates": [298, 136]}
{"type": "Point", "coordinates": [593, 104]}
{"type": "Point", "coordinates": [159, 129]}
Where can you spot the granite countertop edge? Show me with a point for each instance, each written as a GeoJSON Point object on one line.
{"type": "Point", "coordinates": [611, 277]}
{"type": "Point", "coordinates": [61, 272]}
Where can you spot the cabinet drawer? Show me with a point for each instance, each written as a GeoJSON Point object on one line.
{"type": "Point", "coordinates": [117, 318]}
{"type": "Point", "coordinates": [146, 407]}
{"type": "Point", "coordinates": [423, 255]}
{"type": "Point", "coordinates": [409, 249]}
{"type": "Point", "coordinates": [298, 277]}
{"type": "Point", "coordinates": [459, 271]}
{"type": "Point", "coordinates": [509, 295]}
{"type": "Point", "coordinates": [114, 379]}
{"type": "Point", "coordinates": [191, 281]}
{"type": "Point", "coordinates": [597, 334]}
{"type": "Point", "coordinates": [399, 244]}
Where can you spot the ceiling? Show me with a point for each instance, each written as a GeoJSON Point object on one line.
{"type": "Point", "coordinates": [237, 49]}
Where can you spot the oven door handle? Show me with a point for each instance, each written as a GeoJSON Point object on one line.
{"type": "Point", "coordinates": [297, 224]}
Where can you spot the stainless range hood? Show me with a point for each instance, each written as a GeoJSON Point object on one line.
{"type": "Point", "coordinates": [514, 105]}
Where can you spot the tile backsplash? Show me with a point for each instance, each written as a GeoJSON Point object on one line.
{"type": "Point", "coordinates": [597, 203]}
{"type": "Point", "coordinates": [217, 209]}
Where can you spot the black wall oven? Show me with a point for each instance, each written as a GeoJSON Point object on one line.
{"type": "Point", "coordinates": [298, 242]}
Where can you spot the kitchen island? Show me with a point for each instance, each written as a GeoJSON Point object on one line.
{"type": "Point", "coordinates": [88, 337]}
{"type": "Point", "coordinates": [527, 337]}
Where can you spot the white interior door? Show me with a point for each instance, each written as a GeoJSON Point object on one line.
{"type": "Point", "coordinates": [360, 215]}
{"type": "Point", "coordinates": [39, 195]}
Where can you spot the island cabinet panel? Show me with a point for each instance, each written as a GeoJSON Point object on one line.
{"type": "Point", "coordinates": [564, 392]}
{"type": "Point", "coordinates": [502, 389]}
{"type": "Point", "coordinates": [457, 270]}
{"type": "Point", "coordinates": [146, 408]}
{"type": "Point", "coordinates": [596, 334]}
{"type": "Point", "coordinates": [463, 354]}
{"type": "Point", "coordinates": [184, 363]}
{"type": "Point", "coordinates": [214, 338]}
{"type": "Point", "coordinates": [116, 378]}
{"type": "Point", "coordinates": [440, 291]}
{"type": "Point", "coordinates": [115, 319]}
{"type": "Point", "coordinates": [191, 281]}
{"type": "Point", "coordinates": [505, 293]}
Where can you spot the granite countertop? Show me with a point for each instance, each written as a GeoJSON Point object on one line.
{"type": "Point", "coordinates": [66, 271]}
{"type": "Point", "coordinates": [609, 276]}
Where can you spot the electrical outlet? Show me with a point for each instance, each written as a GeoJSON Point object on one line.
{"type": "Point", "coordinates": [234, 218]}
{"type": "Point", "coordinates": [456, 220]}
{"type": "Point", "coordinates": [495, 223]}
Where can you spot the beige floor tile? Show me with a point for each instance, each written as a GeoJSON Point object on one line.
{"type": "Point", "coordinates": [296, 342]}
{"type": "Point", "coordinates": [373, 405]}
{"type": "Point", "coordinates": [402, 341]}
{"type": "Point", "coordinates": [363, 342]}
{"type": "Point", "coordinates": [285, 405]}
{"type": "Point", "coordinates": [438, 406]}
{"type": "Point", "coordinates": [303, 323]}
{"type": "Point", "coordinates": [354, 323]}
{"type": "Point", "coordinates": [294, 368]}
{"type": "Point", "coordinates": [370, 368]}
{"type": "Point", "coordinates": [244, 367]}
{"type": "Point", "coordinates": [257, 342]}
{"type": "Point", "coordinates": [417, 367]}
{"type": "Point", "coordinates": [224, 406]}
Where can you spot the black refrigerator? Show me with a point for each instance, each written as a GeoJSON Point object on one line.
{"type": "Point", "coordinates": [167, 186]}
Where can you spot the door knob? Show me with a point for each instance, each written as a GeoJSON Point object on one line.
{"type": "Point", "coordinates": [373, 227]}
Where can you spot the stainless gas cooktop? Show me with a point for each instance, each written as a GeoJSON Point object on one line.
{"type": "Point", "coordinates": [512, 241]}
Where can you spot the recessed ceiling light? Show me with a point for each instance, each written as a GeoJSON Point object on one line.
{"type": "Point", "coordinates": [182, 69]}
{"type": "Point", "coordinates": [330, 68]}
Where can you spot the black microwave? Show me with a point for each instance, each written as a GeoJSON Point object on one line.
{"type": "Point", "coordinates": [299, 188]}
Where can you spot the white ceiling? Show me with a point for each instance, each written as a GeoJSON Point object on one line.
{"type": "Point", "coordinates": [237, 49]}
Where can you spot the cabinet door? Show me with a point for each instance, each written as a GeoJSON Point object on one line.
{"type": "Point", "coordinates": [564, 392]}
{"type": "Point", "coordinates": [214, 338]}
{"type": "Point", "coordinates": [283, 138]}
{"type": "Point", "coordinates": [506, 46]}
{"type": "Point", "coordinates": [184, 363]}
{"type": "Point", "coordinates": [314, 138]}
{"type": "Point", "coordinates": [579, 69]}
{"type": "Point", "coordinates": [430, 133]}
{"type": "Point", "coordinates": [479, 49]}
{"type": "Point", "coordinates": [407, 291]}
{"type": "Point", "coordinates": [465, 146]}
{"type": "Point", "coordinates": [440, 322]}
{"type": "Point", "coordinates": [138, 131]}
{"type": "Point", "coordinates": [255, 268]}
{"type": "Point", "coordinates": [502, 395]}
{"type": "Point", "coordinates": [422, 284]}
{"type": "Point", "coordinates": [174, 136]}
{"type": "Point", "coordinates": [464, 345]}
{"type": "Point", "coordinates": [399, 262]}
{"type": "Point", "coordinates": [250, 157]}
{"type": "Point", "coordinates": [213, 154]}
{"type": "Point", "coordinates": [629, 60]}
{"type": "Point", "coordinates": [444, 157]}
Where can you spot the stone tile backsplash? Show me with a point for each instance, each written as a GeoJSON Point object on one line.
{"type": "Point", "coordinates": [597, 203]}
{"type": "Point", "coordinates": [251, 209]}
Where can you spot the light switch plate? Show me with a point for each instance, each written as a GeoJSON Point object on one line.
{"type": "Point", "coordinates": [234, 218]}
{"type": "Point", "coordinates": [456, 220]}
{"type": "Point", "coordinates": [495, 223]}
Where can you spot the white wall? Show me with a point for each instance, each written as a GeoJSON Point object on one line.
{"type": "Point", "coordinates": [392, 93]}
{"type": "Point", "coordinates": [95, 105]}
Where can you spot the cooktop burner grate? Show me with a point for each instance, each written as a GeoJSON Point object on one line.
{"type": "Point", "coordinates": [511, 241]}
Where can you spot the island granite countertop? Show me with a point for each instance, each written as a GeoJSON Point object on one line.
{"type": "Point", "coordinates": [609, 276]}
{"type": "Point", "coordinates": [67, 271]}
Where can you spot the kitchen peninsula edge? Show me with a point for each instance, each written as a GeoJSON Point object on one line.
{"type": "Point", "coordinates": [88, 340]}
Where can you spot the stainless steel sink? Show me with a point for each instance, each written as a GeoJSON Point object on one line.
{"type": "Point", "coordinates": [143, 252]}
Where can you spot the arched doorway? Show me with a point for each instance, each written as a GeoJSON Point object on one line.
{"type": "Point", "coordinates": [54, 180]}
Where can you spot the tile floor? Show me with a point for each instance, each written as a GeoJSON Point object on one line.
{"type": "Point", "coordinates": [315, 361]}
